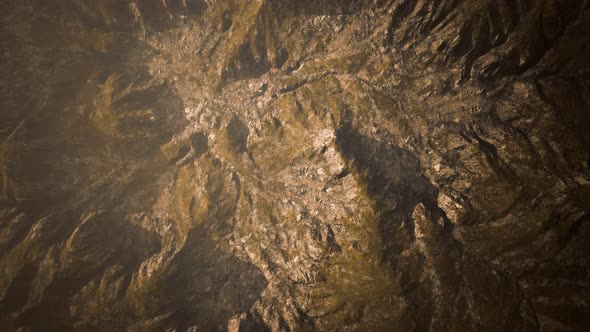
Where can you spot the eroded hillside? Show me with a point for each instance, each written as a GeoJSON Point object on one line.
{"type": "Point", "coordinates": [203, 165]}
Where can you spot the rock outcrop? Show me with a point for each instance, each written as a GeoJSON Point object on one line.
{"type": "Point", "coordinates": [202, 165]}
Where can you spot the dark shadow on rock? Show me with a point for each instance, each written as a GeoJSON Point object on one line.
{"type": "Point", "coordinates": [206, 286]}
{"type": "Point", "coordinates": [103, 242]}
{"type": "Point", "coordinates": [67, 159]}
{"type": "Point", "coordinates": [238, 134]}
{"type": "Point", "coordinates": [394, 181]}
{"type": "Point", "coordinates": [199, 143]}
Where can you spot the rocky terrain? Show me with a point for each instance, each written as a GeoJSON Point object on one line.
{"type": "Point", "coordinates": [274, 165]}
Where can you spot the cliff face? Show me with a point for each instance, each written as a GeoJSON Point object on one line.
{"type": "Point", "coordinates": [284, 165]}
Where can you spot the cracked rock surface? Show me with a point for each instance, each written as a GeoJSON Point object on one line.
{"type": "Point", "coordinates": [274, 165]}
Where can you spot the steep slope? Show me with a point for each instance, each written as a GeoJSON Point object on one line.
{"type": "Point", "coordinates": [295, 166]}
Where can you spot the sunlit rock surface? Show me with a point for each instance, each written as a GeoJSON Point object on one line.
{"type": "Point", "coordinates": [274, 165]}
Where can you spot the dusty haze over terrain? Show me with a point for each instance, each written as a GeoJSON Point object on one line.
{"type": "Point", "coordinates": [274, 165]}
